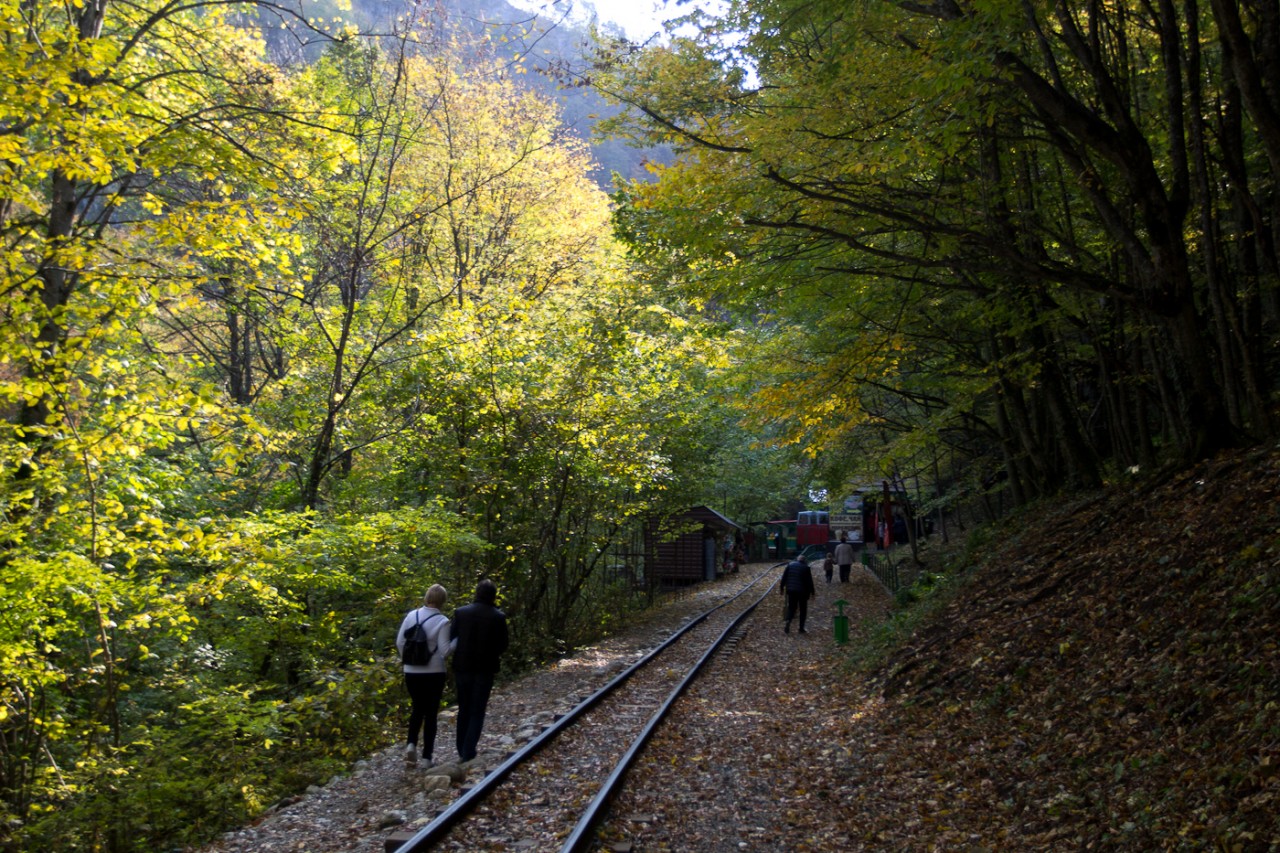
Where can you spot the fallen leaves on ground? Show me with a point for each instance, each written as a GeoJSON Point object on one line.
{"type": "Point", "coordinates": [1107, 679]}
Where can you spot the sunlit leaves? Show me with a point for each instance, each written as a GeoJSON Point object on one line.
{"type": "Point", "coordinates": [280, 348]}
{"type": "Point", "coordinates": [132, 139]}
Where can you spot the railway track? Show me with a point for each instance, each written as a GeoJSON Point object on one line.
{"type": "Point", "coordinates": [552, 793]}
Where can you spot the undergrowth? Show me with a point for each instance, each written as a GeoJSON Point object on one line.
{"type": "Point", "coordinates": [947, 566]}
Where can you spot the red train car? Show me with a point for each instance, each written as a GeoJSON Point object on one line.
{"type": "Point", "coordinates": [813, 527]}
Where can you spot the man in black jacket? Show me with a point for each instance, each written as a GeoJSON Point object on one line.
{"type": "Point", "coordinates": [480, 629]}
{"type": "Point", "coordinates": [797, 586]}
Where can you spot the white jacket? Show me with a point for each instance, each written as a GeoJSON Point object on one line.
{"type": "Point", "coordinates": [437, 632]}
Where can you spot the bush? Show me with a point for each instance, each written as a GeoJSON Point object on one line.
{"type": "Point", "coordinates": [218, 762]}
{"type": "Point", "coordinates": [880, 637]}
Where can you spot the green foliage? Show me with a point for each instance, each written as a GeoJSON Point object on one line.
{"type": "Point", "coordinates": [919, 216]}
{"type": "Point", "coordinates": [555, 438]}
{"type": "Point", "coordinates": [280, 348]}
{"type": "Point", "coordinates": [219, 760]}
{"type": "Point", "coordinates": [914, 606]}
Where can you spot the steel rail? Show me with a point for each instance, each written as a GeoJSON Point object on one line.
{"type": "Point", "coordinates": [584, 833]}
{"type": "Point", "coordinates": [463, 805]}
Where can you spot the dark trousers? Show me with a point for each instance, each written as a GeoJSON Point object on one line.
{"type": "Point", "coordinates": [845, 568]}
{"type": "Point", "coordinates": [797, 601]}
{"type": "Point", "coordinates": [473, 698]}
{"type": "Point", "coordinates": [425, 690]}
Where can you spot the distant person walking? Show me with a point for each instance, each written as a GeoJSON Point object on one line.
{"type": "Point", "coordinates": [797, 586]}
{"type": "Point", "coordinates": [828, 566]}
{"type": "Point", "coordinates": [424, 679]}
{"type": "Point", "coordinates": [845, 555]}
{"type": "Point", "coordinates": [480, 631]}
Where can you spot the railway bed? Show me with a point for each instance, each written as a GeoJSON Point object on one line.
{"type": "Point", "coordinates": [552, 792]}
{"type": "Point", "coordinates": [721, 776]}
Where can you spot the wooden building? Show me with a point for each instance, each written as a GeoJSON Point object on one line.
{"type": "Point", "coordinates": [687, 548]}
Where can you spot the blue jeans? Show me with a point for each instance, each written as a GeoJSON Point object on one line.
{"type": "Point", "coordinates": [473, 698]}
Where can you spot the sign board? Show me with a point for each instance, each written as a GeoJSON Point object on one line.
{"type": "Point", "coordinates": [847, 523]}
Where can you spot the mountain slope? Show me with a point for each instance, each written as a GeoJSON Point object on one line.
{"type": "Point", "coordinates": [552, 51]}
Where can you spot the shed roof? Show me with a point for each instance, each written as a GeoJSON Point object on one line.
{"type": "Point", "coordinates": [709, 517]}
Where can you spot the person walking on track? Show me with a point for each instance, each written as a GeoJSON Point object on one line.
{"type": "Point", "coordinates": [424, 679]}
{"type": "Point", "coordinates": [480, 630]}
{"type": "Point", "coordinates": [797, 586]}
{"type": "Point", "coordinates": [845, 556]}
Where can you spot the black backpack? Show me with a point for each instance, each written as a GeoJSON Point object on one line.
{"type": "Point", "coordinates": [417, 646]}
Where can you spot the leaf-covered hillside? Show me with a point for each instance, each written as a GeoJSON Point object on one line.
{"type": "Point", "coordinates": [1104, 679]}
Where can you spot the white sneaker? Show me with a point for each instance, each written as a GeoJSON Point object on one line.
{"type": "Point", "coordinates": [411, 754]}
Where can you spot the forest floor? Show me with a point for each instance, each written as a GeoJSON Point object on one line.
{"type": "Point", "coordinates": [1103, 674]}
{"type": "Point", "coordinates": [1106, 677]}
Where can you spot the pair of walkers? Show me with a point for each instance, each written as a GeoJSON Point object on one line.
{"type": "Point", "coordinates": [844, 556]}
{"type": "Point", "coordinates": [475, 639]}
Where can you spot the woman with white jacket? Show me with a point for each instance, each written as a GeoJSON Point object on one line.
{"type": "Point", "coordinates": [425, 682]}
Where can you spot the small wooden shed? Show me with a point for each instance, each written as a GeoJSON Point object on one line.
{"type": "Point", "coordinates": [686, 548]}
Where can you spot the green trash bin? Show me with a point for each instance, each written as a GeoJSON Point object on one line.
{"type": "Point", "coordinates": [841, 623]}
